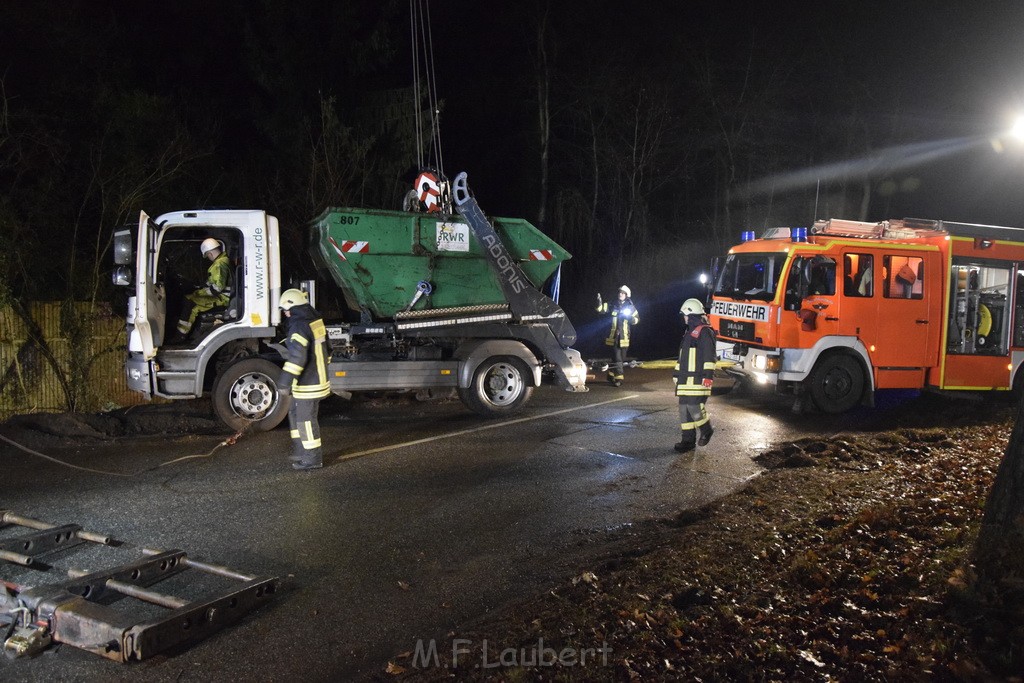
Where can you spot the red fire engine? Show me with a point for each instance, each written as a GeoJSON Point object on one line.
{"type": "Point", "coordinates": [848, 307]}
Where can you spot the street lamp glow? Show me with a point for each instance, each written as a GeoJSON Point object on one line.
{"type": "Point", "coordinates": [1018, 128]}
{"type": "Point", "coordinates": [703, 278]}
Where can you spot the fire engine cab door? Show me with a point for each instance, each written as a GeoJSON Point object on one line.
{"type": "Point", "coordinates": [148, 316]}
{"type": "Point", "coordinates": [909, 317]}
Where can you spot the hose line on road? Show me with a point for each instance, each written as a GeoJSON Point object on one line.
{"type": "Point", "coordinates": [61, 462]}
{"type": "Point", "coordinates": [230, 441]}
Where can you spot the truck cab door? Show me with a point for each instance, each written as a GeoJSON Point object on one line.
{"type": "Point", "coordinates": [909, 313]}
{"type": "Point", "coordinates": [819, 303]}
{"type": "Point", "coordinates": [148, 316]}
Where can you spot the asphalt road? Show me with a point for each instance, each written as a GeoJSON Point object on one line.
{"type": "Point", "coordinates": [424, 518]}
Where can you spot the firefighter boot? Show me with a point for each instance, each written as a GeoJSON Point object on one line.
{"type": "Point", "coordinates": [303, 464]}
{"type": "Point", "coordinates": [706, 435]}
{"type": "Point", "coordinates": [684, 446]}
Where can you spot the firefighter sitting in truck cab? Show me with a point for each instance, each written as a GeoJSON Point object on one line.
{"type": "Point", "coordinates": [217, 289]}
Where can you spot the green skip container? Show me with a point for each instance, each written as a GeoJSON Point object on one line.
{"type": "Point", "coordinates": [378, 258]}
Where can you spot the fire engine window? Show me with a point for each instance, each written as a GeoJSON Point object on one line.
{"type": "Point", "coordinates": [823, 276]}
{"type": "Point", "coordinates": [750, 276]}
{"type": "Point", "coordinates": [904, 277]}
{"type": "Point", "coordinates": [858, 275]}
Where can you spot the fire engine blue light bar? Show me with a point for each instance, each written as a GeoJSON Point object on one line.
{"type": "Point", "coordinates": [746, 236]}
{"type": "Point", "coordinates": [798, 234]}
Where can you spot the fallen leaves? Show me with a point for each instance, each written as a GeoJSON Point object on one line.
{"type": "Point", "coordinates": [837, 565]}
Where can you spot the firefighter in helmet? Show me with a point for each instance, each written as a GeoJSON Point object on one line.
{"type": "Point", "coordinates": [694, 376]}
{"type": "Point", "coordinates": [304, 376]}
{"type": "Point", "coordinates": [624, 316]}
{"type": "Point", "coordinates": [217, 290]}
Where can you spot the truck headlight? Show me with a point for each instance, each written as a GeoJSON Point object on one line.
{"type": "Point", "coordinates": [767, 363]}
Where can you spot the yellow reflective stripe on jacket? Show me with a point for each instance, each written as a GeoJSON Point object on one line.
{"type": "Point", "coordinates": [299, 338]}
{"type": "Point", "coordinates": [292, 368]}
{"type": "Point", "coordinates": [610, 341]}
{"type": "Point", "coordinates": [320, 336]}
{"type": "Point", "coordinates": [311, 390]}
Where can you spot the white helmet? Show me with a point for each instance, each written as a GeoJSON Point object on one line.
{"type": "Point", "coordinates": [625, 290]}
{"type": "Point", "coordinates": [209, 244]}
{"type": "Point", "coordinates": [292, 297]}
{"type": "Point", "coordinates": [692, 307]}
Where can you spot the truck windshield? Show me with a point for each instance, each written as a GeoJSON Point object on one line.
{"type": "Point", "coordinates": [750, 276]}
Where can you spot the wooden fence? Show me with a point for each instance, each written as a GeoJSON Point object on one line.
{"type": "Point", "coordinates": [59, 356]}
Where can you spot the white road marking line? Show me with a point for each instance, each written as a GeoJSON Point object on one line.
{"type": "Point", "coordinates": [381, 449]}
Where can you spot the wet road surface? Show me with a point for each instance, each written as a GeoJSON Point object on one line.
{"type": "Point", "coordinates": [425, 517]}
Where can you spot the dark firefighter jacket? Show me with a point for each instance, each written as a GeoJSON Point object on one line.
{"type": "Point", "coordinates": [696, 361]}
{"type": "Point", "coordinates": [305, 358]}
{"type": "Point", "coordinates": [624, 316]}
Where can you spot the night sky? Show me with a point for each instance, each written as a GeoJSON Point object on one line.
{"type": "Point", "coordinates": [760, 114]}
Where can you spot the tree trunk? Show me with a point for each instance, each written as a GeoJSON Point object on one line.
{"type": "Point", "coordinates": [543, 114]}
{"type": "Point", "coordinates": [999, 554]}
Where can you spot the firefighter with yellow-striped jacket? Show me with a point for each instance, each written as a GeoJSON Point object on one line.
{"type": "Point", "coordinates": [694, 376]}
{"type": "Point", "coordinates": [304, 376]}
{"type": "Point", "coordinates": [624, 316]}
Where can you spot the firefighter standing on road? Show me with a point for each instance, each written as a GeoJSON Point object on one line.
{"type": "Point", "coordinates": [694, 375]}
{"type": "Point", "coordinates": [304, 376]}
{"type": "Point", "coordinates": [624, 316]}
{"type": "Point", "coordinates": [217, 288]}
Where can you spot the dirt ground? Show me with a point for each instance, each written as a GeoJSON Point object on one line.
{"type": "Point", "coordinates": [848, 559]}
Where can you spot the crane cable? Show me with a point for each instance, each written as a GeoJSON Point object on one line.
{"type": "Point", "coordinates": [423, 62]}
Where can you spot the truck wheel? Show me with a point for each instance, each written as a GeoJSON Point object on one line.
{"type": "Point", "coordinates": [501, 385]}
{"type": "Point", "coordinates": [836, 383]}
{"type": "Point", "coordinates": [245, 395]}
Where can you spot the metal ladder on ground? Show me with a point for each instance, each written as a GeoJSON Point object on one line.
{"type": "Point", "coordinates": [77, 612]}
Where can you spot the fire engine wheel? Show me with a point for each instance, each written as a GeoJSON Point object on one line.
{"type": "Point", "coordinates": [501, 385]}
{"type": "Point", "coordinates": [245, 395]}
{"type": "Point", "coordinates": [836, 384]}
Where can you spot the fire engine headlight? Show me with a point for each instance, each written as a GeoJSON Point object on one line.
{"type": "Point", "coordinates": [767, 363]}
{"type": "Point", "coordinates": [122, 276]}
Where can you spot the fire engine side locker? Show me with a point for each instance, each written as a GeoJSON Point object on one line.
{"type": "Point", "coordinates": [964, 366]}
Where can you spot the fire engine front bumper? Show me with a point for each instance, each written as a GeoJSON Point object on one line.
{"type": "Point", "coordinates": [744, 362]}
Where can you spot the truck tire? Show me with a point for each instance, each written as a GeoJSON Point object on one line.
{"type": "Point", "coordinates": [836, 383]}
{"type": "Point", "coordinates": [245, 395]}
{"type": "Point", "coordinates": [501, 386]}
